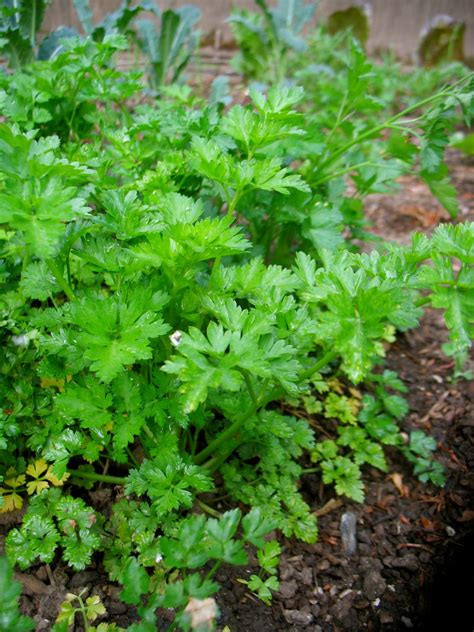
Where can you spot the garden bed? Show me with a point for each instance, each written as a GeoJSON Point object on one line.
{"type": "Point", "coordinates": [413, 566]}
{"type": "Point", "coordinates": [223, 306]}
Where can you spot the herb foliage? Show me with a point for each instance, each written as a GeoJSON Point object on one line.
{"type": "Point", "coordinates": [181, 296]}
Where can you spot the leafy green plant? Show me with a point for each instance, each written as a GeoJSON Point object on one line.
{"type": "Point", "coordinates": [89, 609]}
{"type": "Point", "coordinates": [118, 21]}
{"type": "Point", "coordinates": [71, 94]}
{"type": "Point", "coordinates": [20, 23]}
{"type": "Point", "coordinates": [265, 39]}
{"type": "Point", "coordinates": [10, 618]}
{"type": "Point", "coordinates": [170, 48]}
{"type": "Point", "coordinates": [182, 307]}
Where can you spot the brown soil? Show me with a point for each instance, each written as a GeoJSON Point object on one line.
{"type": "Point", "coordinates": [414, 563]}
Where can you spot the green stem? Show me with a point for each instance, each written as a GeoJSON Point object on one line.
{"type": "Point", "coordinates": [378, 128]}
{"type": "Point", "coordinates": [207, 509]}
{"type": "Point", "coordinates": [233, 429]}
{"type": "Point", "coordinates": [101, 478]}
{"type": "Point", "coordinates": [213, 570]}
{"type": "Point", "coordinates": [132, 458]}
{"type": "Point", "coordinates": [232, 203]}
{"type": "Point", "coordinates": [66, 288]}
{"type": "Point", "coordinates": [317, 366]}
{"type": "Point", "coordinates": [250, 388]}
{"type": "Point", "coordinates": [33, 25]}
{"type": "Point", "coordinates": [216, 461]}
{"type": "Point", "coordinates": [83, 612]}
{"type": "Point", "coordinates": [221, 439]}
{"type": "Point", "coordinates": [424, 300]}
{"type": "Point", "coordinates": [342, 172]}
{"type": "Point", "coordinates": [149, 433]}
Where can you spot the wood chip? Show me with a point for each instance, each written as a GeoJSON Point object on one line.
{"type": "Point", "coordinates": [332, 504]}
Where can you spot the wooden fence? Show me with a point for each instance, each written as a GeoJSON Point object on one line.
{"type": "Point", "coordinates": [396, 24]}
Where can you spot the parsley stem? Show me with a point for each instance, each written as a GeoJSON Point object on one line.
{"type": "Point", "coordinates": [424, 300]}
{"type": "Point", "coordinates": [207, 509]}
{"type": "Point", "coordinates": [66, 288]}
{"type": "Point", "coordinates": [251, 390]}
{"type": "Point", "coordinates": [216, 461]}
{"type": "Point", "coordinates": [149, 433]}
{"type": "Point", "coordinates": [378, 128]}
{"type": "Point", "coordinates": [317, 366]}
{"type": "Point", "coordinates": [224, 437]}
{"type": "Point", "coordinates": [101, 478]}
{"type": "Point", "coordinates": [343, 172]}
{"type": "Point", "coordinates": [213, 570]}
{"type": "Point", "coordinates": [233, 428]}
{"type": "Point", "coordinates": [132, 457]}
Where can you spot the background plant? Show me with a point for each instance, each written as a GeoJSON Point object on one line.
{"type": "Point", "coordinates": [169, 49]}
{"type": "Point", "coordinates": [267, 39]}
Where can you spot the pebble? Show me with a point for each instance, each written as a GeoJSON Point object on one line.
{"type": "Point", "coordinates": [409, 562]}
{"type": "Point", "coordinates": [343, 606]}
{"type": "Point", "coordinates": [83, 578]}
{"type": "Point", "coordinates": [288, 589]}
{"type": "Point", "coordinates": [297, 617]}
{"type": "Point", "coordinates": [385, 617]}
{"type": "Point", "coordinates": [305, 576]}
{"type": "Point", "coordinates": [374, 584]}
{"type": "Point", "coordinates": [116, 607]}
{"type": "Point", "coordinates": [323, 565]}
{"type": "Point", "coordinates": [348, 529]}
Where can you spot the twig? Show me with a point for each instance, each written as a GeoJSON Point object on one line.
{"type": "Point", "coordinates": [332, 504]}
{"type": "Point", "coordinates": [412, 545]}
{"type": "Point", "coordinates": [436, 406]}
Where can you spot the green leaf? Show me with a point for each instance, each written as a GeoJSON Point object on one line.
{"type": "Point", "coordinates": [189, 549]}
{"type": "Point", "coordinates": [10, 618]}
{"type": "Point", "coordinates": [269, 556]}
{"type": "Point", "coordinates": [169, 482]}
{"type": "Point", "coordinates": [263, 588]}
{"type": "Point", "coordinates": [90, 403]}
{"type": "Point", "coordinates": [170, 50]}
{"type": "Point", "coordinates": [422, 444]}
{"type": "Point", "coordinates": [465, 144]}
{"type": "Point", "coordinates": [444, 191]}
{"type": "Point", "coordinates": [345, 474]}
{"type": "Point", "coordinates": [84, 13]}
{"type": "Point", "coordinates": [221, 545]}
{"type": "Point", "coordinates": [37, 206]}
{"type": "Point", "coordinates": [37, 539]}
{"type": "Point", "coordinates": [116, 331]}
{"type": "Point", "coordinates": [451, 289]}
{"type": "Point", "coordinates": [356, 19]}
{"type": "Point", "coordinates": [52, 45]}
{"type": "Point", "coordinates": [135, 582]}
{"type": "Point", "coordinates": [256, 526]}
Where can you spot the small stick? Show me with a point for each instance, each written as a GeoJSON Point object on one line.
{"type": "Point", "coordinates": [332, 504]}
{"type": "Point", "coordinates": [434, 408]}
{"type": "Point", "coordinates": [412, 545]}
